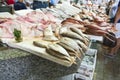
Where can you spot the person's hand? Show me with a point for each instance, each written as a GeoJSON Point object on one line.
{"type": "Point", "coordinates": [113, 28]}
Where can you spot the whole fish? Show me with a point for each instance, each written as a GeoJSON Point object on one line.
{"type": "Point", "coordinates": [72, 35]}
{"type": "Point", "coordinates": [69, 49]}
{"type": "Point", "coordinates": [56, 54]}
{"type": "Point", "coordinates": [48, 34]}
{"type": "Point", "coordinates": [58, 51]}
{"type": "Point", "coordinates": [42, 44]}
{"type": "Point", "coordinates": [78, 31]}
{"type": "Point", "coordinates": [82, 45]}
{"type": "Point", "coordinates": [70, 44]}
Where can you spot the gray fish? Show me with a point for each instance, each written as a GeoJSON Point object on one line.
{"type": "Point", "coordinates": [69, 49]}
{"type": "Point", "coordinates": [78, 31]}
{"type": "Point", "coordinates": [56, 54]}
{"type": "Point", "coordinates": [82, 45]}
{"type": "Point", "coordinates": [40, 44]}
{"type": "Point", "coordinates": [72, 35]}
{"type": "Point", "coordinates": [59, 49]}
{"type": "Point", "coordinates": [70, 44]}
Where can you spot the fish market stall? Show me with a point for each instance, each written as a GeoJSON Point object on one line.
{"type": "Point", "coordinates": [24, 65]}
{"type": "Point", "coordinates": [45, 37]}
{"type": "Point", "coordinates": [49, 44]}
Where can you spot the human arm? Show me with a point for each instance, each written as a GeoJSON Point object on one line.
{"type": "Point", "coordinates": [117, 16]}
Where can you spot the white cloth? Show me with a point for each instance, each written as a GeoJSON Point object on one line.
{"type": "Point", "coordinates": [117, 33]}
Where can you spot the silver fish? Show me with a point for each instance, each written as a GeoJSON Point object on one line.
{"type": "Point", "coordinates": [71, 45]}
{"type": "Point", "coordinates": [72, 35]}
{"type": "Point", "coordinates": [82, 45]}
{"type": "Point", "coordinates": [78, 31]}
{"type": "Point", "coordinates": [59, 49]}
{"type": "Point", "coordinates": [56, 54]}
{"type": "Point", "coordinates": [69, 49]}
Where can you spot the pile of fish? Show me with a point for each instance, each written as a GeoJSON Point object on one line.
{"type": "Point", "coordinates": [61, 30]}
{"type": "Point", "coordinates": [66, 43]}
{"type": "Point", "coordinates": [89, 23]}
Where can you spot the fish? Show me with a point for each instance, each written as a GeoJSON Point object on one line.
{"type": "Point", "coordinates": [72, 35]}
{"type": "Point", "coordinates": [56, 54]}
{"type": "Point", "coordinates": [57, 32]}
{"type": "Point", "coordinates": [48, 34]}
{"type": "Point", "coordinates": [58, 51]}
{"type": "Point", "coordinates": [82, 45]}
{"type": "Point", "coordinates": [87, 37]}
{"type": "Point", "coordinates": [73, 52]}
{"type": "Point", "coordinates": [78, 31]}
{"type": "Point", "coordinates": [42, 44]}
{"type": "Point", "coordinates": [71, 45]}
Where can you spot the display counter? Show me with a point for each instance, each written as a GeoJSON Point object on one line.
{"type": "Point", "coordinates": [20, 65]}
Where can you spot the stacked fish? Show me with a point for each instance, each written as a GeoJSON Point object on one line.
{"type": "Point", "coordinates": [66, 43]}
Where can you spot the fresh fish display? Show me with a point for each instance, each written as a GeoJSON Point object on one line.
{"type": "Point", "coordinates": [60, 34]}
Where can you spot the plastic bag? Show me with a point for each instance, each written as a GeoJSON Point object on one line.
{"type": "Point", "coordinates": [110, 40]}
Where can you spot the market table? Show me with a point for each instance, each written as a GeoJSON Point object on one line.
{"type": "Point", "coordinates": [20, 65]}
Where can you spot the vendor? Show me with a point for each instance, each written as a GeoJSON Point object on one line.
{"type": "Point", "coordinates": [116, 28]}
{"type": "Point", "coordinates": [113, 11]}
{"type": "Point", "coordinates": [40, 4]}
